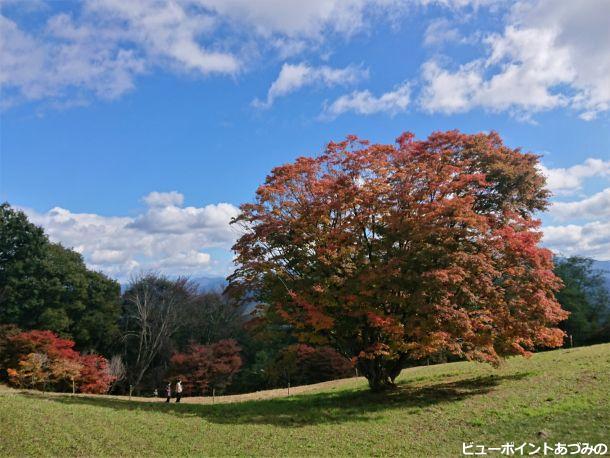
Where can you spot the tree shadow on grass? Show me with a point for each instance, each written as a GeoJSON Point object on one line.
{"type": "Point", "coordinates": [309, 409]}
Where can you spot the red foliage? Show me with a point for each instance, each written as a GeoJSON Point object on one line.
{"type": "Point", "coordinates": [397, 252]}
{"type": "Point", "coordinates": [46, 342]}
{"type": "Point", "coordinates": [204, 367]}
{"type": "Point", "coordinates": [93, 375]}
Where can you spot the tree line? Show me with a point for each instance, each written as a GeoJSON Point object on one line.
{"type": "Point", "coordinates": [64, 327]}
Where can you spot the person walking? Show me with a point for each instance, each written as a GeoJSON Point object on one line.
{"type": "Point", "coordinates": [168, 392]}
{"type": "Point", "coordinates": [178, 390]}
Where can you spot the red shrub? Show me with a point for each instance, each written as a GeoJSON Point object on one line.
{"type": "Point", "coordinates": [46, 342]}
{"type": "Point", "coordinates": [63, 364]}
{"type": "Point", "coordinates": [94, 375]}
{"type": "Point", "coordinates": [206, 367]}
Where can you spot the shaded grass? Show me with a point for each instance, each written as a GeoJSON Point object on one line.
{"type": "Point", "coordinates": [554, 396]}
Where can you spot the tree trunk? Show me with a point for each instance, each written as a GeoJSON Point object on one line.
{"type": "Point", "coordinates": [380, 372]}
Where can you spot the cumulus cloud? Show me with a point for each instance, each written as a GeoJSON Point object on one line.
{"type": "Point", "coordinates": [567, 180]}
{"type": "Point", "coordinates": [293, 77]}
{"type": "Point", "coordinates": [591, 239]}
{"type": "Point", "coordinates": [366, 103]}
{"type": "Point", "coordinates": [176, 220]}
{"type": "Point", "coordinates": [530, 67]}
{"type": "Point", "coordinates": [164, 199]}
{"type": "Point", "coordinates": [165, 236]}
{"type": "Point", "coordinates": [548, 56]}
{"type": "Point", "coordinates": [590, 235]}
{"type": "Point", "coordinates": [595, 206]}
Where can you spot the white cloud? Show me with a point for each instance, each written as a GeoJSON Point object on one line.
{"type": "Point", "coordinates": [441, 31]}
{"type": "Point", "coordinates": [449, 92]}
{"type": "Point", "coordinates": [166, 236]}
{"type": "Point", "coordinates": [188, 259]}
{"type": "Point", "coordinates": [530, 67]}
{"type": "Point", "coordinates": [591, 239]}
{"type": "Point", "coordinates": [583, 30]}
{"type": "Point", "coordinates": [293, 77]}
{"type": "Point", "coordinates": [172, 30]}
{"type": "Point", "coordinates": [566, 180]}
{"type": "Point", "coordinates": [293, 18]}
{"type": "Point", "coordinates": [163, 199]}
{"type": "Point", "coordinates": [364, 102]}
{"type": "Point", "coordinates": [34, 69]}
{"type": "Point", "coordinates": [459, 4]}
{"type": "Point", "coordinates": [171, 219]}
{"type": "Point", "coordinates": [551, 54]}
{"type": "Point", "coordinates": [595, 206]}
{"type": "Point", "coordinates": [101, 47]}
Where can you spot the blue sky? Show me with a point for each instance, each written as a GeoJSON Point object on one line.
{"type": "Point", "coordinates": [132, 130]}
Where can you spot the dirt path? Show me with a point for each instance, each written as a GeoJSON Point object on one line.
{"type": "Point", "coordinates": [258, 395]}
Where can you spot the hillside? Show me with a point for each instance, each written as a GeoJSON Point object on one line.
{"type": "Point", "coordinates": [604, 268]}
{"type": "Point", "coordinates": [556, 396]}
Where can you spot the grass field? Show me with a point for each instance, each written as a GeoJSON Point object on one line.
{"type": "Point", "coordinates": [556, 396]}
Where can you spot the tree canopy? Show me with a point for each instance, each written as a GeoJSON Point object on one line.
{"type": "Point", "coordinates": [393, 253]}
{"type": "Point", "coordinates": [46, 286]}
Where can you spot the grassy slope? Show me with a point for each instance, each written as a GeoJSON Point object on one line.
{"type": "Point", "coordinates": [556, 396]}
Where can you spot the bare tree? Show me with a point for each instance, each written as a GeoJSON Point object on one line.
{"type": "Point", "coordinates": [153, 306]}
{"type": "Point", "coordinates": [117, 369]}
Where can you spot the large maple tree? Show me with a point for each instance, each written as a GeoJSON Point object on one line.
{"type": "Point", "coordinates": [393, 253]}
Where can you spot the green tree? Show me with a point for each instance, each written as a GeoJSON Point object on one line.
{"type": "Point", "coordinates": [44, 285]}
{"type": "Point", "coordinates": [585, 296]}
{"type": "Point", "coordinates": [22, 251]}
{"type": "Point", "coordinates": [207, 318]}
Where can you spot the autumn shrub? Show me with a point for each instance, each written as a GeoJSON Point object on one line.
{"type": "Point", "coordinates": [41, 359]}
{"type": "Point", "coordinates": [94, 376]}
{"type": "Point", "coordinates": [203, 368]}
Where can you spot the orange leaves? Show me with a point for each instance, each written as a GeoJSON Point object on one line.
{"type": "Point", "coordinates": [41, 358]}
{"type": "Point", "coordinates": [313, 314]}
{"type": "Point", "coordinates": [393, 251]}
{"type": "Point", "coordinates": [377, 350]}
{"type": "Point", "coordinates": [318, 288]}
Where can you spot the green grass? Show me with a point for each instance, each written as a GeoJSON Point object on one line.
{"type": "Point", "coordinates": [555, 396]}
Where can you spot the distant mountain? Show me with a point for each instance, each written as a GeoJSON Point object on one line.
{"type": "Point", "coordinates": [210, 284]}
{"type": "Point", "coordinates": [204, 284]}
